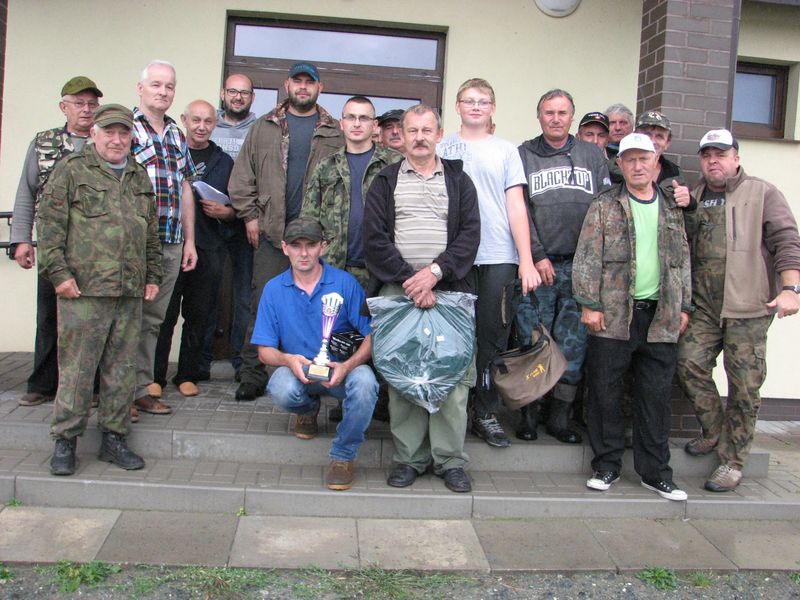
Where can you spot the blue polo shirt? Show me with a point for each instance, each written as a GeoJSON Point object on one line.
{"type": "Point", "coordinates": [291, 321]}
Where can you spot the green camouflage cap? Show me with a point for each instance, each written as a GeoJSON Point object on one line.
{"type": "Point", "coordinates": [109, 114]}
{"type": "Point", "coordinates": [653, 118]}
{"type": "Point", "coordinates": [303, 228]}
{"type": "Point", "coordinates": [79, 84]}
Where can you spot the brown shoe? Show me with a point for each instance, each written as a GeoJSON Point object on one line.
{"type": "Point", "coordinates": [154, 390]}
{"type": "Point", "coordinates": [134, 414]}
{"type": "Point", "coordinates": [187, 388]}
{"type": "Point", "coordinates": [34, 399]}
{"type": "Point", "coordinates": [340, 475]}
{"type": "Point", "coordinates": [701, 446]}
{"type": "Point", "coordinates": [724, 479]}
{"type": "Point", "coordinates": [306, 427]}
{"type": "Point", "coordinates": [151, 405]}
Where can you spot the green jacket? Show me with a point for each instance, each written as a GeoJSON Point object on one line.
{"type": "Point", "coordinates": [257, 186]}
{"type": "Point", "coordinates": [327, 197]}
{"type": "Point", "coordinates": [99, 229]}
{"type": "Point", "coordinates": [50, 146]}
{"type": "Point", "coordinates": [604, 267]}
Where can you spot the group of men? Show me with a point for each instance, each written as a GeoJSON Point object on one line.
{"type": "Point", "coordinates": [361, 206]}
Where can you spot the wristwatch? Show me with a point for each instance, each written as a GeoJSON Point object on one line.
{"type": "Point", "coordinates": [436, 270]}
{"type": "Point", "coordinates": [791, 288]}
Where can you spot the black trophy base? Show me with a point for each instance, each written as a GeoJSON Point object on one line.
{"type": "Point", "coordinates": [317, 372]}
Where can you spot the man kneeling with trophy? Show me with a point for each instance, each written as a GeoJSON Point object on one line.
{"type": "Point", "coordinates": [299, 308]}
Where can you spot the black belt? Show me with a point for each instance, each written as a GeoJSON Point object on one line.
{"type": "Point", "coordinates": [560, 257]}
{"type": "Point", "coordinates": [645, 304]}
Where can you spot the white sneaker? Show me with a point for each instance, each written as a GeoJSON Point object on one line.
{"type": "Point", "coordinates": [602, 480]}
{"type": "Point", "coordinates": [665, 489]}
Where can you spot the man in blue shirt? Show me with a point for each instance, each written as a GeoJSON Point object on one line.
{"type": "Point", "coordinates": [288, 332]}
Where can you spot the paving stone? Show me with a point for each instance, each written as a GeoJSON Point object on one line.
{"type": "Point", "coordinates": [295, 542]}
{"type": "Point", "coordinates": [170, 538]}
{"type": "Point", "coordinates": [673, 544]}
{"type": "Point", "coordinates": [541, 545]}
{"type": "Point", "coordinates": [421, 545]}
{"type": "Point", "coordinates": [44, 535]}
{"type": "Point", "coordinates": [562, 505]}
{"type": "Point", "coordinates": [6, 488]}
{"type": "Point", "coordinates": [755, 544]}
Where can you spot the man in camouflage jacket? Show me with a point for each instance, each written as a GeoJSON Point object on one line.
{"type": "Point", "coordinates": [99, 247]}
{"type": "Point", "coordinates": [79, 99]}
{"type": "Point", "coordinates": [631, 276]}
{"type": "Point", "coordinates": [333, 200]}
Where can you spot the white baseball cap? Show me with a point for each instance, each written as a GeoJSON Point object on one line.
{"type": "Point", "coordinates": [638, 141]}
{"type": "Point", "coordinates": [718, 138]}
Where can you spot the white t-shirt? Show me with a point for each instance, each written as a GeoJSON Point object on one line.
{"type": "Point", "coordinates": [494, 165]}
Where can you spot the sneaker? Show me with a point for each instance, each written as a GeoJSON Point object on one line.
{"type": "Point", "coordinates": [340, 475]}
{"type": "Point", "coordinates": [701, 446]}
{"type": "Point", "coordinates": [724, 479]}
{"type": "Point", "coordinates": [602, 480]}
{"type": "Point", "coordinates": [489, 430]}
{"type": "Point", "coordinates": [665, 489]}
{"type": "Point", "coordinates": [306, 427]}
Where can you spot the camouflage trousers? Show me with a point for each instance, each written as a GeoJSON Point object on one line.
{"type": "Point", "coordinates": [96, 335]}
{"type": "Point", "coordinates": [559, 312]}
{"type": "Point", "coordinates": [743, 343]}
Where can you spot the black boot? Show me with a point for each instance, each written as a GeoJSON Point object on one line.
{"type": "Point", "coordinates": [558, 423]}
{"type": "Point", "coordinates": [115, 450]}
{"type": "Point", "coordinates": [528, 422]}
{"type": "Point", "coordinates": [63, 460]}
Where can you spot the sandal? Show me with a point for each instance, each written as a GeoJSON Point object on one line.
{"type": "Point", "coordinates": [134, 414]}
{"type": "Point", "coordinates": [151, 405]}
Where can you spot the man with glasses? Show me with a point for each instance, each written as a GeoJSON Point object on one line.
{"type": "Point", "coordinates": [270, 173]}
{"type": "Point", "coordinates": [495, 167]}
{"type": "Point", "coordinates": [79, 100]}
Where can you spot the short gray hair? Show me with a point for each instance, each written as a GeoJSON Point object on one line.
{"type": "Point", "coordinates": [621, 109]}
{"type": "Point", "coordinates": [422, 109]}
{"type": "Point", "coordinates": [555, 93]}
{"type": "Point", "coordinates": [155, 63]}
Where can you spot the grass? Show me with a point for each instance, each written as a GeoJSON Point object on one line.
{"type": "Point", "coordinates": [13, 503]}
{"type": "Point", "coordinates": [203, 582]}
{"type": "Point", "coordinates": [794, 576]}
{"type": "Point", "coordinates": [5, 573]}
{"type": "Point", "coordinates": [70, 576]}
{"type": "Point", "coordinates": [659, 578]}
{"type": "Point", "coordinates": [700, 579]}
{"type": "Point", "coordinates": [241, 512]}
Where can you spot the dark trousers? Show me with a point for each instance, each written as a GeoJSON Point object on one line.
{"type": "Point", "coordinates": [490, 331]}
{"type": "Point", "coordinates": [44, 378]}
{"type": "Point", "coordinates": [652, 365]}
{"type": "Point", "coordinates": [268, 262]}
{"type": "Point", "coordinates": [191, 296]}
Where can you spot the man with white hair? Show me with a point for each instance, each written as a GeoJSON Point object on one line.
{"type": "Point", "coordinates": [160, 147]}
{"type": "Point", "coordinates": [620, 124]}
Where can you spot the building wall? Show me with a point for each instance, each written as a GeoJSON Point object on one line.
{"type": "Point", "coordinates": [593, 53]}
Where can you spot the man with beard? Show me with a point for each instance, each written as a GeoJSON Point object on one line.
{"type": "Point", "coordinates": [278, 156]}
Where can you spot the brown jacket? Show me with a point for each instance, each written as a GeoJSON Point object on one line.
{"type": "Point", "coordinates": [257, 186]}
{"type": "Point", "coordinates": [761, 242]}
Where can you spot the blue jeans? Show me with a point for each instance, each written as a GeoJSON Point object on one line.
{"type": "Point", "coordinates": [359, 394]}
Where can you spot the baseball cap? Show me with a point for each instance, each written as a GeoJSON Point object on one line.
{"type": "Point", "coordinates": [396, 114]}
{"type": "Point", "coordinates": [79, 84]}
{"type": "Point", "coordinates": [638, 141]}
{"type": "Point", "coordinates": [303, 228]}
{"type": "Point", "coordinates": [594, 117]}
{"type": "Point", "coordinates": [109, 114]}
{"type": "Point", "coordinates": [304, 67]}
{"type": "Point", "coordinates": [653, 118]}
{"type": "Point", "coordinates": [718, 138]}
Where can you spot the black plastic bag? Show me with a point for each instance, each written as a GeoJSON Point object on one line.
{"type": "Point", "coordinates": [423, 352]}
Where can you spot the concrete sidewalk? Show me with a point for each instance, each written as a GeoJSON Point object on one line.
{"type": "Point", "coordinates": [45, 535]}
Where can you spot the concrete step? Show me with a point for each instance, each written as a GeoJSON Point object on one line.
{"type": "Point", "coordinates": [218, 429]}
{"type": "Point", "coordinates": [260, 488]}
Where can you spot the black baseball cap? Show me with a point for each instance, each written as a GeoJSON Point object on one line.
{"type": "Point", "coordinates": [594, 117]}
{"type": "Point", "coordinates": [396, 114]}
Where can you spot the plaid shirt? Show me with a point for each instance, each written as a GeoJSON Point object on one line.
{"type": "Point", "coordinates": [168, 163]}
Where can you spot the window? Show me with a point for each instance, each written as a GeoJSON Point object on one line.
{"type": "Point", "coordinates": [759, 100]}
{"type": "Point", "coordinates": [395, 68]}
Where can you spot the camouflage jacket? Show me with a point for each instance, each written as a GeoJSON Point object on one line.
{"type": "Point", "coordinates": [99, 229]}
{"type": "Point", "coordinates": [327, 197]}
{"type": "Point", "coordinates": [50, 146]}
{"type": "Point", "coordinates": [257, 186]}
{"type": "Point", "coordinates": [604, 267]}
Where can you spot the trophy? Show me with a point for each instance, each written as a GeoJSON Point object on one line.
{"type": "Point", "coordinates": [319, 369]}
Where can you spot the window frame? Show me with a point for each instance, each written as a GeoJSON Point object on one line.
{"type": "Point", "coordinates": [776, 129]}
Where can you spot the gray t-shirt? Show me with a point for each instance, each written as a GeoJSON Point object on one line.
{"type": "Point", "coordinates": [301, 130]}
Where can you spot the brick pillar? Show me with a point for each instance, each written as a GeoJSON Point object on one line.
{"type": "Point", "coordinates": [3, 19]}
{"type": "Point", "coordinates": [687, 66]}
{"type": "Point", "coordinates": [686, 69]}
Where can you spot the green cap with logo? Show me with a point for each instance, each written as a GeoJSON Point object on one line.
{"type": "Point", "coordinates": [111, 114]}
{"type": "Point", "coordinates": [79, 84]}
{"type": "Point", "coordinates": [303, 228]}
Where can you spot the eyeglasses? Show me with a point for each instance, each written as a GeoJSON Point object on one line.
{"type": "Point", "coordinates": [243, 93]}
{"type": "Point", "coordinates": [81, 104]}
{"type": "Point", "coordinates": [479, 103]}
{"type": "Point", "coordinates": [358, 118]}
